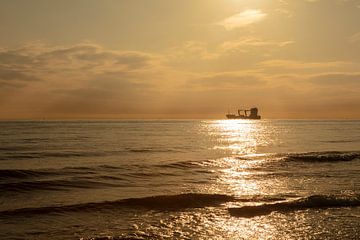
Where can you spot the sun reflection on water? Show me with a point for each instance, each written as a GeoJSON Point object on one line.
{"type": "Point", "coordinates": [238, 136]}
{"type": "Point", "coordinates": [240, 140]}
{"type": "Point", "coordinates": [243, 171]}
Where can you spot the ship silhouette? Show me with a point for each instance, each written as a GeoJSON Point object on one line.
{"type": "Point", "coordinates": [244, 114]}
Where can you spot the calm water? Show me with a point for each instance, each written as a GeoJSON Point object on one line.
{"type": "Point", "coordinates": [228, 179]}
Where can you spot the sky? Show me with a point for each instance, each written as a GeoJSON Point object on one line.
{"type": "Point", "coordinates": [110, 59]}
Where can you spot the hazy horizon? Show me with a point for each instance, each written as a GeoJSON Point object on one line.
{"type": "Point", "coordinates": [195, 59]}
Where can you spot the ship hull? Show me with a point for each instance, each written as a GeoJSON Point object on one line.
{"type": "Point", "coordinates": [242, 117]}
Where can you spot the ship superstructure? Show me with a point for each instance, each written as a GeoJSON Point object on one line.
{"type": "Point", "coordinates": [251, 113]}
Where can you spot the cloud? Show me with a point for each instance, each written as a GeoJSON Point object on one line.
{"type": "Point", "coordinates": [14, 75]}
{"type": "Point", "coordinates": [232, 55]}
{"type": "Point", "coordinates": [338, 79]}
{"type": "Point", "coordinates": [251, 42]}
{"type": "Point", "coordinates": [85, 60]}
{"type": "Point", "coordinates": [292, 64]}
{"type": "Point", "coordinates": [227, 80]}
{"type": "Point", "coordinates": [355, 38]}
{"type": "Point", "coordinates": [85, 79]}
{"type": "Point", "coordinates": [10, 57]}
{"type": "Point", "coordinates": [92, 56]}
{"type": "Point", "coordinates": [243, 19]}
{"type": "Point", "coordinates": [14, 78]}
{"type": "Point", "coordinates": [192, 49]}
{"type": "Point", "coordinates": [284, 12]}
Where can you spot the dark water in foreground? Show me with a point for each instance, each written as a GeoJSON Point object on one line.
{"type": "Point", "coordinates": [229, 179]}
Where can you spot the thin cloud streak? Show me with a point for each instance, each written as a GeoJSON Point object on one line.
{"type": "Point", "coordinates": [252, 42]}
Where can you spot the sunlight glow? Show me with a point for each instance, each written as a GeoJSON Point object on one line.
{"type": "Point", "coordinates": [243, 19]}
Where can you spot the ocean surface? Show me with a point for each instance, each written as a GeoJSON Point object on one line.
{"type": "Point", "coordinates": [193, 179]}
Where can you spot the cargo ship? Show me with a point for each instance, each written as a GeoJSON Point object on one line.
{"type": "Point", "coordinates": [251, 113]}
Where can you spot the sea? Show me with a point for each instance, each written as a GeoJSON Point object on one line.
{"type": "Point", "coordinates": [180, 179]}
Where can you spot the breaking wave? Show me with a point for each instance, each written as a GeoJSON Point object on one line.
{"type": "Point", "coordinates": [311, 202]}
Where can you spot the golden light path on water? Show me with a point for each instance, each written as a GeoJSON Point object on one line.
{"type": "Point", "coordinates": [241, 139]}
{"type": "Point", "coordinates": [241, 174]}
{"type": "Point", "coordinates": [241, 136]}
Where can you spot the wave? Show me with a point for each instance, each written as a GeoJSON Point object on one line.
{"type": "Point", "coordinates": [311, 202]}
{"type": "Point", "coordinates": [20, 153]}
{"type": "Point", "coordinates": [331, 156]}
{"type": "Point", "coordinates": [184, 201]}
{"type": "Point", "coordinates": [21, 173]}
{"type": "Point", "coordinates": [54, 185]}
{"type": "Point", "coordinates": [14, 148]}
{"type": "Point", "coordinates": [181, 164]}
{"type": "Point", "coordinates": [14, 174]}
{"type": "Point", "coordinates": [326, 156]}
{"type": "Point", "coordinates": [38, 155]}
{"type": "Point", "coordinates": [137, 235]}
{"type": "Point", "coordinates": [136, 170]}
{"type": "Point", "coordinates": [161, 202]}
{"type": "Point", "coordinates": [340, 141]}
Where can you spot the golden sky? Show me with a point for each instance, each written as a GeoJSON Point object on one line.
{"type": "Point", "coordinates": [179, 58]}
